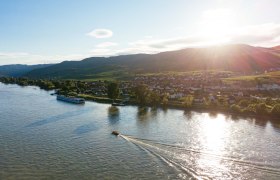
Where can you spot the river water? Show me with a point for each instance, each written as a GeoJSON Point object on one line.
{"type": "Point", "coordinates": [42, 138]}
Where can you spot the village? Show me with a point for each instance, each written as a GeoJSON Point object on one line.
{"type": "Point", "coordinates": [203, 87]}
{"type": "Point", "coordinates": [201, 90]}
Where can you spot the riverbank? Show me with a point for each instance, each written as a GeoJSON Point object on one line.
{"type": "Point", "coordinates": [250, 109]}
{"type": "Point", "coordinates": [177, 105]}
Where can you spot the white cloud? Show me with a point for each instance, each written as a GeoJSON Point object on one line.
{"type": "Point", "coordinates": [170, 43]}
{"type": "Point", "coordinates": [101, 52]}
{"type": "Point", "coordinates": [28, 58]}
{"type": "Point", "coordinates": [101, 33]}
{"type": "Point", "coordinates": [266, 35]}
{"type": "Point", "coordinates": [106, 44]}
{"type": "Point", "coordinates": [12, 54]}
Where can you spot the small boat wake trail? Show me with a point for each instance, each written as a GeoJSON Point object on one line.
{"type": "Point", "coordinates": [169, 162]}
{"type": "Point", "coordinates": [187, 161]}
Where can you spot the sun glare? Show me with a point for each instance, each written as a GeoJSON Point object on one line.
{"type": "Point", "coordinates": [215, 135]}
{"type": "Point", "coordinates": [214, 132]}
{"type": "Point", "coordinates": [216, 25]}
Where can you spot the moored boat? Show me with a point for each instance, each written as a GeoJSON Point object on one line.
{"type": "Point", "coordinates": [70, 99]}
{"type": "Point", "coordinates": [118, 104]}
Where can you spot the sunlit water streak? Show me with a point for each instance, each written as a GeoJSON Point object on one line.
{"type": "Point", "coordinates": [175, 151]}
{"type": "Point", "coordinates": [42, 138]}
{"type": "Point", "coordinates": [171, 163]}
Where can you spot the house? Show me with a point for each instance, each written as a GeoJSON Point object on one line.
{"type": "Point", "coordinates": [176, 96]}
{"type": "Point", "coordinates": [198, 100]}
{"type": "Point", "coordinates": [240, 94]}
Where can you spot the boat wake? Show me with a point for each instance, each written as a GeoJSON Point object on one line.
{"type": "Point", "coordinates": [146, 147]}
{"type": "Point", "coordinates": [201, 164]}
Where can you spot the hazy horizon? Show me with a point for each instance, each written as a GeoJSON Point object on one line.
{"type": "Point", "coordinates": [107, 56]}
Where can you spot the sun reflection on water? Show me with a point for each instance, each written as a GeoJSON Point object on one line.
{"type": "Point", "coordinates": [214, 136]}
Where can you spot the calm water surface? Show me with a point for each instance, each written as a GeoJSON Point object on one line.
{"type": "Point", "coordinates": [42, 138]}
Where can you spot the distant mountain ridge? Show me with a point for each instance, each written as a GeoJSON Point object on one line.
{"type": "Point", "coordinates": [236, 57]}
{"type": "Point", "coordinates": [17, 70]}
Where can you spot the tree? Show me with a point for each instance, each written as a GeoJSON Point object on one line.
{"type": "Point", "coordinates": [164, 99]}
{"type": "Point", "coordinates": [243, 103]}
{"type": "Point", "coordinates": [275, 111]}
{"type": "Point", "coordinates": [45, 84]}
{"type": "Point", "coordinates": [250, 109]}
{"type": "Point", "coordinates": [113, 90]}
{"type": "Point", "coordinates": [73, 94]}
{"type": "Point", "coordinates": [206, 101]}
{"type": "Point", "coordinates": [269, 101]}
{"type": "Point", "coordinates": [235, 108]}
{"type": "Point", "coordinates": [224, 101]}
{"type": "Point", "coordinates": [142, 94]}
{"type": "Point", "coordinates": [113, 111]}
{"type": "Point", "coordinates": [188, 101]}
{"type": "Point", "coordinates": [261, 108]}
{"type": "Point", "coordinates": [155, 99]}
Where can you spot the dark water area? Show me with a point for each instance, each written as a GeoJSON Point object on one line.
{"type": "Point", "coordinates": [42, 138]}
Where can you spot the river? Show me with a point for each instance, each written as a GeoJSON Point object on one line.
{"type": "Point", "coordinates": [42, 138]}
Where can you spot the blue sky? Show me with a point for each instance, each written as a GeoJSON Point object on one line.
{"type": "Point", "coordinates": [51, 31]}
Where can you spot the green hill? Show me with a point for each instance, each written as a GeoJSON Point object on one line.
{"type": "Point", "coordinates": [237, 58]}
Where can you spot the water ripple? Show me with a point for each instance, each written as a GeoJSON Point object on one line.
{"type": "Point", "coordinates": [86, 128]}
{"type": "Point", "coordinates": [56, 118]}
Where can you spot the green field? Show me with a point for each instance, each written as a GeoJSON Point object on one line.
{"type": "Point", "coordinates": [271, 77]}
{"type": "Point", "coordinates": [117, 75]}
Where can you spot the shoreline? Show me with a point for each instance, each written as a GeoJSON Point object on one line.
{"type": "Point", "coordinates": [195, 108]}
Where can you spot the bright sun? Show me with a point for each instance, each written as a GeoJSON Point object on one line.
{"type": "Point", "coordinates": [216, 25]}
